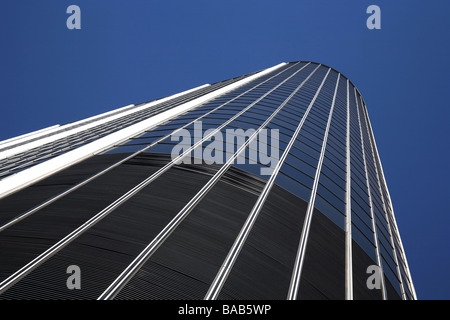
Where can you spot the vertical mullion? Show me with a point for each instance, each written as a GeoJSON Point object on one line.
{"type": "Point", "coordinates": [348, 211]}
{"type": "Point", "coordinates": [299, 260]}
{"type": "Point", "coordinates": [383, 288]}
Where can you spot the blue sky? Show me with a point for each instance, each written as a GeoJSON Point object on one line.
{"type": "Point", "coordinates": [138, 50]}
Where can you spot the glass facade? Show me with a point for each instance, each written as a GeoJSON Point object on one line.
{"type": "Point", "coordinates": [179, 211]}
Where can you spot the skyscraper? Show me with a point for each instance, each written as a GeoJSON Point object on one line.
{"type": "Point", "coordinates": [264, 186]}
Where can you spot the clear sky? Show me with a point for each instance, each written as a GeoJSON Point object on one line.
{"type": "Point", "coordinates": [138, 50]}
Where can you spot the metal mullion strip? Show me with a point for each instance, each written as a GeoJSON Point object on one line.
{"type": "Point", "coordinates": [381, 173]}
{"type": "Point", "coordinates": [301, 251]}
{"type": "Point", "coordinates": [229, 261]}
{"type": "Point", "coordinates": [79, 185]}
{"type": "Point", "coordinates": [140, 260]}
{"type": "Point", "coordinates": [383, 287]}
{"type": "Point", "coordinates": [12, 279]}
{"type": "Point", "coordinates": [26, 135]}
{"type": "Point", "coordinates": [384, 207]}
{"type": "Point", "coordinates": [348, 210]}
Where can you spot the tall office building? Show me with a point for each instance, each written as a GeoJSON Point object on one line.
{"type": "Point", "coordinates": [264, 186]}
